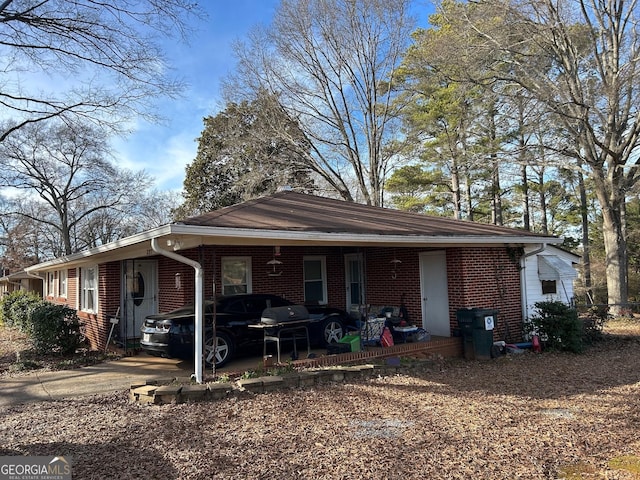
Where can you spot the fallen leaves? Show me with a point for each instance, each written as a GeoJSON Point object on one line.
{"type": "Point", "coordinates": [531, 417]}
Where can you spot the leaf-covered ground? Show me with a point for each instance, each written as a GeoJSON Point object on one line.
{"type": "Point", "coordinates": [531, 416]}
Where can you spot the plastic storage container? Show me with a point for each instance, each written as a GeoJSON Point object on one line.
{"type": "Point", "coordinates": [353, 341]}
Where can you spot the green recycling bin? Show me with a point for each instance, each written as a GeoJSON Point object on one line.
{"type": "Point", "coordinates": [476, 326]}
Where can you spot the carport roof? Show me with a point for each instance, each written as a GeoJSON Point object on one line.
{"type": "Point", "coordinates": [289, 219]}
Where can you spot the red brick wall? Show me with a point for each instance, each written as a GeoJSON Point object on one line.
{"type": "Point", "coordinates": [169, 296]}
{"type": "Point", "coordinates": [487, 278]}
{"type": "Point", "coordinates": [477, 277]}
{"type": "Point", "coordinates": [288, 285]}
{"type": "Point", "coordinates": [381, 286]}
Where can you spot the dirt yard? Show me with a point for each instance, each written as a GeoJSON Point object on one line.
{"type": "Point", "coordinates": [530, 416]}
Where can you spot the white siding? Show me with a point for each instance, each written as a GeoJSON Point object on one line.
{"type": "Point", "coordinates": [533, 286]}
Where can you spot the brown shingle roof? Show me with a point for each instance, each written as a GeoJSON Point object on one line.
{"type": "Point", "coordinates": [290, 211]}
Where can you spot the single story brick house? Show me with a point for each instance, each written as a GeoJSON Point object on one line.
{"type": "Point", "coordinates": [307, 249]}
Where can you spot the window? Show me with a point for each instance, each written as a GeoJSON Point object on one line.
{"type": "Point", "coordinates": [62, 280]}
{"type": "Point", "coordinates": [315, 280]}
{"type": "Point", "coordinates": [89, 292]}
{"type": "Point", "coordinates": [236, 275]}
{"type": "Point", "coordinates": [51, 284]}
{"type": "Point", "coordinates": [549, 287]}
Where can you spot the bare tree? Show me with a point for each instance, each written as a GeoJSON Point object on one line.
{"type": "Point", "coordinates": [98, 61]}
{"type": "Point", "coordinates": [20, 244]}
{"type": "Point", "coordinates": [331, 64]}
{"type": "Point", "coordinates": [66, 167]}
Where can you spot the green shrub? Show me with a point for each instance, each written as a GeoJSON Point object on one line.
{"type": "Point", "coordinates": [558, 326]}
{"type": "Point", "coordinates": [17, 307]}
{"type": "Point", "coordinates": [56, 329]}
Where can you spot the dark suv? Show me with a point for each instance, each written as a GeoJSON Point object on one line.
{"type": "Point", "coordinates": [172, 334]}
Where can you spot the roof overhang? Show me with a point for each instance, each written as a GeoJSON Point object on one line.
{"type": "Point", "coordinates": [183, 237]}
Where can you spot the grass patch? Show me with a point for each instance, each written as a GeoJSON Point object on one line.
{"type": "Point", "coordinates": [577, 471]}
{"type": "Point", "coordinates": [629, 463]}
{"type": "Point", "coordinates": [24, 366]}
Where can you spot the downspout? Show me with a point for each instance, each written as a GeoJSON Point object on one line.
{"type": "Point", "coordinates": [199, 313]}
{"type": "Point", "coordinates": [523, 279]}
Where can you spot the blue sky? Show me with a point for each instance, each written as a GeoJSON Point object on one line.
{"type": "Point", "coordinates": [164, 150]}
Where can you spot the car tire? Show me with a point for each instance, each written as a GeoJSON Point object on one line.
{"type": "Point", "coordinates": [332, 330]}
{"type": "Point", "coordinates": [224, 350]}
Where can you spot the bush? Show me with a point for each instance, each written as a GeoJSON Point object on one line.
{"type": "Point", "coordinates": [594, 321]}
{"type": "Point", "coordinates": [17, 307]}
{"type": "Point", "coordinates": [558, 326]}
{"type": "Point", "coordinates": [56, 329]}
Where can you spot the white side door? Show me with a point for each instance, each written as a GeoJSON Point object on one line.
{"type": "Point", "coordinates": [435, 293]}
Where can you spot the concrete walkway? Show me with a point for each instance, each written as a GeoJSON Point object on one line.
{"type": "Point", "coordinates": [101, 378]}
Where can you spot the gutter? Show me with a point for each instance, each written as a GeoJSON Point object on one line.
{"type": "Point", "coordinates": [199, 310]}
{"type": "Point", "coordinates": [523, 278]}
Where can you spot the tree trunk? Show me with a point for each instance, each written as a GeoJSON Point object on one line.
{"type": "Point", "coordinates": [586, 245]}
{"type": "Point", "coordinates": [544, 226]}
{"type": "Point", "coordinates": [615, 244]}
{"type": "Point", "coordinates": [455, 188]}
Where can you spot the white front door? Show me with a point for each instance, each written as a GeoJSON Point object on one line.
{"type": "Point", "coordinates": [435, 293]}
{"type": "Point", "coordinates": [141, 299]}
{"type": "Point", "coordinates": [354, 277]}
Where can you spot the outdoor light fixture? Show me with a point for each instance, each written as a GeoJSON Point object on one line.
{"type": "Point", "coordinates": [395, 266]}
{"type": "Point", "coordinates": [174, 243]}
{"type": "Point", "coordinates": [275, 263]}
{"type": "Point", "coordinates": [178, 279]}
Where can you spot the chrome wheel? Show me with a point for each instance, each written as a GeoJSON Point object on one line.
{"type": "Point", "coordinates": [223, 351]}
{"type": "Point", "coordinates": [333, 330]}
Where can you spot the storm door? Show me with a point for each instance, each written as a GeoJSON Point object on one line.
{"type": "Point", "coordinates": [141, 299]}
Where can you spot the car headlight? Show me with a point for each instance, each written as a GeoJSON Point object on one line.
{"type": "Point", "coordinates": [163, 326]}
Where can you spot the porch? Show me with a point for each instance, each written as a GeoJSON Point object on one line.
{"type": "Point", "coordinates": [442, 346]}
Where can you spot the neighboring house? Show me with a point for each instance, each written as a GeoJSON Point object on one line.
{"type": "Point", "coordinates": [549, 276]}
{"type": "Point", "coordinates": [21, 280]}
{"type": "Point", "coordinates": [332, 252]}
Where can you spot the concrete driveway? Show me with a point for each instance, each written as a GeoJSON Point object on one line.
{"type": "Point", "coordinates": [101, 378]}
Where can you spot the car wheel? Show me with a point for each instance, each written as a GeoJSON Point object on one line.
{"type": "Point", "coordinates": [223, 351]}
{"type": "Point", "coordinates": [333, 330]}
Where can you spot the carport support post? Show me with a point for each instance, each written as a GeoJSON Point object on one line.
{"type": "Point", "coordinates": [199, 310]}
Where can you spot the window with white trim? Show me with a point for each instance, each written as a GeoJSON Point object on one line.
{"type": "Point", "coordinates": [236, 275]}
{"type": "Point", "coordinates": [62, 283]}
{"type": "Point", "coordinates": [315, 280]}
{"type": "Point", "coordinates": [89, 290]}
{"type": "Point", "coordinates": [51, 284]}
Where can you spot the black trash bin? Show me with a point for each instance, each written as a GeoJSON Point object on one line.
{"type": "Point", "coordinates": [464, 316]}
{"type": "Point", "coordinates": [476, 326]}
